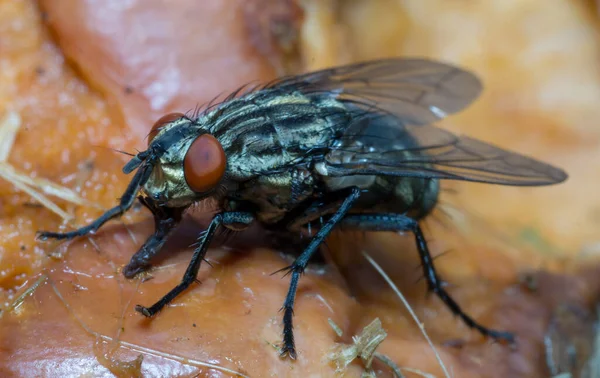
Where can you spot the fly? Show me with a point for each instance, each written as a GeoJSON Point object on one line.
{"type": "Point", "coordinates": [350, 147]}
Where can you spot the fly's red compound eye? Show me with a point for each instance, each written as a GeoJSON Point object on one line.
{"type": "Point", "coordinates": [162, 121]}
{"type": "Point", "coordinates": [204, 163]}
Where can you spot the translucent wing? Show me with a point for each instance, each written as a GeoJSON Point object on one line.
{"type": "Point", "coordinates": [418, 91]}
{"type": "Point", "coordinates": [379, 144]}
{"type": "Point", "coordinates": [394, 101]}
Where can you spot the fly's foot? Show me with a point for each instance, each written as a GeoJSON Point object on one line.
{"type": "Point", "coordinates": [502, 337]}
{"type": "Point", "coordinates": [289, 346]}
{"type": "Point", "coordinates": [45, 235]}
{"type": "Point", "coordinates": [147, 312]}
{"type": "Point", "coordinates": [131, 270]}
{"type": "Point", "coordinates": [288, 351]}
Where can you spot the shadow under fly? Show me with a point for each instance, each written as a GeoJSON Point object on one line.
{"type": "Point", "coordinates": [350, 147]}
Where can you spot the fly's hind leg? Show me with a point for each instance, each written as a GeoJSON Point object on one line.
{"type": "Point", "coordinates": [299, 265]}
{"type": "Point", "coordinates": [165, 220]}
{"type": "Point", "coordinates": [398, 222]}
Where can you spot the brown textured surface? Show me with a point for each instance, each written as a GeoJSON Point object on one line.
{"type": "Point", "coordinates": [150, 57]}
{"type": "Point", "coordinates": [146, 58]}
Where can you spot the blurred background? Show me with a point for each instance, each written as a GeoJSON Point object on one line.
{"type": "Point", "coordinates": [82, 80]}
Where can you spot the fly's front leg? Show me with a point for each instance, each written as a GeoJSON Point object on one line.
{"type": "Point", "coordinates": [397, 222]}
{"type": "Point", "coordinates": [297, 268]}
{"type": "Point", "coordinates": [140, 177]}
{"type": "Point", "coordinates": [237, 219]}
{"type": "Point", "coordinates": [165, 220]}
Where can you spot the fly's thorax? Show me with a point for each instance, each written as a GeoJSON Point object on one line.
{"type": "Point", "coordinates": [273, 196]}
{"type": "Point", "coordinates": [266, 132]}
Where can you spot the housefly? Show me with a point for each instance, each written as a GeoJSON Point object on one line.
{"type": "Point", "coordinates": [350, 147]}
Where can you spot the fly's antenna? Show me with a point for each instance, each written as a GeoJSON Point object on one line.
{"type": "Point", "coordinates": [122, 152]}
{"type": "Point", "coordinates": [113, 149]}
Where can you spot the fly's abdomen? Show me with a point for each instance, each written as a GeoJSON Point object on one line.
{"type": "Point", "coordinates": [383, 194]}
{"type": "Point", "coordinates": [383, 139]}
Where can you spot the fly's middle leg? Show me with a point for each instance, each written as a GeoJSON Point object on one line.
{"type": "Point", "coordinates": [165, 220]}
{"type": "Point", "coordinates": [398, 222]}
{"type": "Point", "coordinates": [222, 219]}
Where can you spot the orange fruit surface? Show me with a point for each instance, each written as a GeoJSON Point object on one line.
{"type": "Point", "coordinates": [87, 79]}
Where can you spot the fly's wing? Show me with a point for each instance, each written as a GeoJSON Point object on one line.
{"type": "Point", "coordinates": [379, 144]}
{"type": "Point", "coordinates": [393, 102]}
{"type": "Point", "coordinates": [418, 91]}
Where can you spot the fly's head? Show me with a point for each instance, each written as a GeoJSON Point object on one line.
{"type": "Point", "coordinates": [187, 163]}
